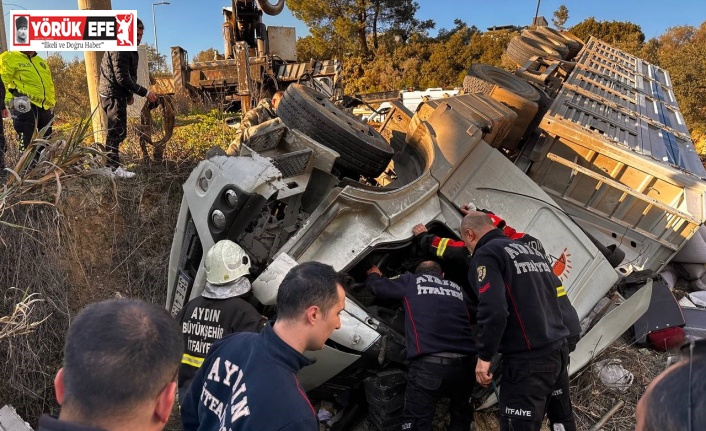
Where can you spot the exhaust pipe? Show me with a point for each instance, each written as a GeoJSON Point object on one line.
{"type": "Point", "coordinates": [269, 8]}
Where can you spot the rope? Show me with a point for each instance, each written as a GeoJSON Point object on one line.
{"type": "Point", "coordinates": [146, 132]}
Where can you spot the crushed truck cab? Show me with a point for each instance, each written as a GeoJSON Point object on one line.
{"type": "Point", "coordinates": [563, 177]}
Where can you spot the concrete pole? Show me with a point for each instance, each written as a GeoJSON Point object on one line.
{"type": "Point", "coordinates": [93, 65]}
{"type": "Point", "coordinates": [3, 36]}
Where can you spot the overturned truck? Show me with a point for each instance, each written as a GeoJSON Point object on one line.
{"type": "Point", "coordinates": [591, 156]}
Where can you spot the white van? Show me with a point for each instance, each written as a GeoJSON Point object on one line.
{"type": "Point", "coordinates": [412, 99]}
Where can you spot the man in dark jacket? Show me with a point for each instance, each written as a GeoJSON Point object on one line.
{"type": "Point", "coordinates": [120, 361]}
{"type": "Point", "coordinates": [440, 344]}
{"type": "Point", "coordinates": [519, 316]}
{"type": "Point", "coordinates": [248, 381]}
{"type": "Point", "coordinates": [219, 311]}
{"type": "Point", "coordinates": [117, 87]}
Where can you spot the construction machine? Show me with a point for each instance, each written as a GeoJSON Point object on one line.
{"type": "Point", "coordinates": [258, 60]}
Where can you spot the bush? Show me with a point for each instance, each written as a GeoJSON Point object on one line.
{"type": "Point", "coordinates": [194, 134]}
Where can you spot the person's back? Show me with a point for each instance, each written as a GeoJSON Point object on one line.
{"type": "Point", "coordinates": [529, 281]}
{"type": "Point", "coordinates": [256, 374]}
{"type": "Point", "coordinates": [220, 310]}
{"type": "Point", "coordinates": [437, 317]}
{"type": "Point", "coordinates": [440, 344]}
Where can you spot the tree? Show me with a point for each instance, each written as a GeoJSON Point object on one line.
{"type": "Point", "coordinates": [355, 26]}
{"type": "Point", "coordinates": [621, 34]}
{"type": "Point", "coordinates": [209, 54]}
{"type": "Point", "coordinates": [70, 81]}
{"type": "Point", "coordinates": [682, 51]}
{"type": "Point", "coordinates": [561, 15]}
{"type": "Point", "coordinates": [156, 61]}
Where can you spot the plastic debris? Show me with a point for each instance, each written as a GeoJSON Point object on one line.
{"type": "Point", "coordinates": [612, 374]}
{"type": "Point", "coordinates": [685, 302]}
{"type": "Point", "coordinates": [698, 298]}
{"type": "Point", "coordinates": [324, 415]}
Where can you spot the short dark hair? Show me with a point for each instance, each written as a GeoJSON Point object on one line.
{"type": "Point", "coordinates": [429, 266]}
{"type": "Point", "coordinates": [311, 283]}
{"type": "Point", "coordinates": [140, 24]}
{"type": "Point", "coordinates": [475, 221]}
{"type": "Point", "coordinates": [667, 406]}
{"type": "Point", "coordinates": [119, 353]}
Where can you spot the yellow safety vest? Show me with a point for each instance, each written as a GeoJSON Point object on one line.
{"type": "Point", "coordinates": [29, 76]}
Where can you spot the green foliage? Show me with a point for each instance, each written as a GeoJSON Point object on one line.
{"type": "Point", "coordinates": [424, 62]}
{"type": "Point", "coordinates": [194, 134]}
{"type": "Point", "coordinates": [157, 62]}
{"type": "Point", "coordinates": [561, 15]}
{"type": "Point", "coordinates": [621, 34]}
{"type": "Point", "coordinates": [207, 55]}
{"type": "Point", "coordinates": [354, 27]}
{"type": "Point", "coordinates": [72, 101]}
{"type": "Point", "coordinates": [682, 51]}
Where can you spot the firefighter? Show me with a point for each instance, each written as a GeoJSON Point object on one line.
{"type": "Point", "coordinates": [255, 119]}
{"type": "Point", "coordinates": [29, 94]}
{"type": "Point", "coordinates": [219, 311]}
{"type": "Point", "coordinates": [440, 346]}
{"type": "Point", "coordinates": [248, 381]}
{"type": "Point", "coordinates": [559, 408]}
{"type": "Point", "coordinates": [519, 316]}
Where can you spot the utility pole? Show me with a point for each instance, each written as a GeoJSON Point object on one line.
{"type": "Point", "coordinates": [3, 35]}
{"type": "Point", "coordinates": [93, 65]}
{"type": "Point", "coordinates": [536, 13]}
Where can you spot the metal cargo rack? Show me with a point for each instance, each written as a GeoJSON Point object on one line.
{"type": "Point", "coordinates": [615, 153]}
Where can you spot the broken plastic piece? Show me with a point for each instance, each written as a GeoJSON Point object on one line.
{"type": "Point", "coordinates": [612, 374]}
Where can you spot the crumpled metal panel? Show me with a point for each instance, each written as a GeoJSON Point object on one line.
{"type": "Point", "coordinates": [378, 217]}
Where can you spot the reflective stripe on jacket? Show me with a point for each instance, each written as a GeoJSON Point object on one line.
{"type": "Point", "coordinates": [28, 75]}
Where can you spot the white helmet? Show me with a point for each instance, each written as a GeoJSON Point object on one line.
{"type": "Point", "coordinates": [226, 262]}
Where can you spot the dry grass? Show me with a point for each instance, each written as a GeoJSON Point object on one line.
{"type": "Point", "coordinates": [592, 399]}
{"type": "Point", "coordinates": [69, 238]}
{"type": "Point", "coordinates": [20, 320]}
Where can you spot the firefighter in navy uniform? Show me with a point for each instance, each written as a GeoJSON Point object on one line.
{"type": "Point", "coordinates": [519, 316]}
{"type": "Point", "coordinates": [440, 345]}
{"type": "Point", "coordinates": [219, 311]}
{"type": "Point", "coordinates": [559, 408]}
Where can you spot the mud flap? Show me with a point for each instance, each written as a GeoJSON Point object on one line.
{"type": "Point", "coordinates": [610, 327]}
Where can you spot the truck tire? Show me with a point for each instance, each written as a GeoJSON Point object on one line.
{"type": "Point", "coordinates": [485, 77]}
{"type": "Point", "coordinates": [573, 43]}
{"type": "Point", "coordinates": [521, 48]}
{"type": "Point", "coordinates": [473, 84]}
{"type": "Point", "coordinates": [363, 151]}
{"type": "Point", "coordinates": [578, 43]}
{"type": "Point", "coordinates": [559, 46]}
